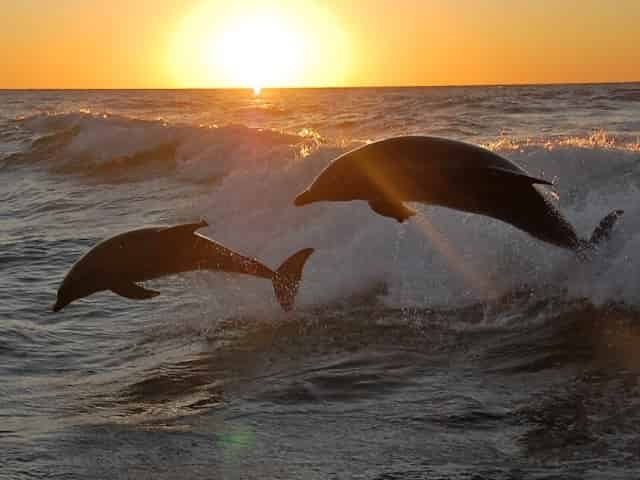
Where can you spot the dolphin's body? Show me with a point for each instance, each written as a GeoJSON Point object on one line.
{"type": "Point", "coordinates": [452, 174]}
{"type": "Point", "coordinates": [118, 263]}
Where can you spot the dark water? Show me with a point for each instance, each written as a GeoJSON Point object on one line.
{"type": "Point", "coordinates": [451, 347]}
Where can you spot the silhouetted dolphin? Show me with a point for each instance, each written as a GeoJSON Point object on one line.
{"type": "Point", "coordinates": [453, 174]}
{"type": "Point", "coordinates": [118, 263]}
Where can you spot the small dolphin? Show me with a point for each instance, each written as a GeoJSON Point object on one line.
{"type": "Point", "coordinates": [452, 174]}
{"type": "Point", "coordinates": [118, 263]}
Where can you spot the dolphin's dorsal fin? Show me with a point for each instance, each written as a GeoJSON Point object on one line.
{"type": "Point", "coordinates": [522, 176]}
{"type": "Point", "coordinates": [133, 291]}
{"type": "Point", "coordinates": [186, 228]}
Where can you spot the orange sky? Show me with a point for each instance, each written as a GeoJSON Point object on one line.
{"type": "Point", "coordinates": [207, 43]}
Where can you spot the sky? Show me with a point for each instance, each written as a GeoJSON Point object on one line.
{"type": "Point", "coordinates": [297, 43]}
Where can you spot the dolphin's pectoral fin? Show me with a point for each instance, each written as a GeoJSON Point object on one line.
{"type": "Point", "coordinates": [133, 291]}
{"type": "Point", "coordinates": [391, 209]}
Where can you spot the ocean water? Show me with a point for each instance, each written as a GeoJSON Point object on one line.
{"type": "Point", "coordinates": [465, 350]}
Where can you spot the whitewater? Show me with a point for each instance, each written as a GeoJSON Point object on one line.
{"type": "Point", "coordinates": [452, 346]}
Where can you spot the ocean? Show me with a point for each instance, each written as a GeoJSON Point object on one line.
{"type": "Point", "coordinates": [475, 352]}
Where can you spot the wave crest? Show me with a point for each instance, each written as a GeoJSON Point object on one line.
{"type": "Point", "coordinates": [109, 145]}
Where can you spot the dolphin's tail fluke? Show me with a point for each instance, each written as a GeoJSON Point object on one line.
{"type": "Point", "coordinates": [604, 228]}
{"type": "Point", "coordinates": [601, 234]}
{"type": "Point", "coordinates": [287, 278]}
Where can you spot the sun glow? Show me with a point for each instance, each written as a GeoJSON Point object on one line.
{"type": "Point", "coordinates": [259, 50]}
{"type": "Point", "coordinates": [256, 44]}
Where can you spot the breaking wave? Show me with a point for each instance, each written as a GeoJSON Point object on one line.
{"type": "Point", "coordinates": [442, 258]}
{"type": "Point", "coordinates": [115, 146]}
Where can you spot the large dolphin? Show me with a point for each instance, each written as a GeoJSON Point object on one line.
{"type": "Point", "coordinates": [118, 263]}
{"type": "Point", "coordinates": [450, 173]}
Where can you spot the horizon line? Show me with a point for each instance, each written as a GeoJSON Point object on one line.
{"type": "Point", "coordinates": [328, 87]}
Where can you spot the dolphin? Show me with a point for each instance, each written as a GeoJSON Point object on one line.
{"type": "Point", "coordinates": [449, 173]}
{"type": "Point", "coordinates": [118, 263]}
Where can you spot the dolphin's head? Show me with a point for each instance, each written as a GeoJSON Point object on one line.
{"type": "Point", "coordinates": [65, 296]}
{"type": "Point", "coordinates": [132, 256]}
{"type": "Point", "coordinates": [324, 190]}
{"type": "Point", "coordinates": [344, 179]}
{"type": "Point", "coordinates": [74, 286]}
{"type": "Point", "coordinates": [111, 259]}
{"type": "Point", "coordinates": [304, 198]}
{"type": "Point", "coordinates": [90, 274]}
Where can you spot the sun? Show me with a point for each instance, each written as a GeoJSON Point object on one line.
{"type": "Point", "coordinates": [250, 44]}
{"type": "Point", "coordinates": [258, 50]}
